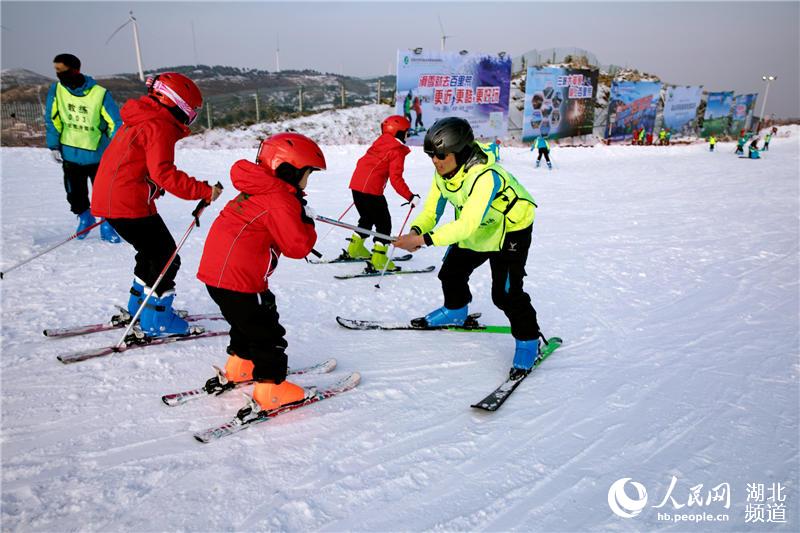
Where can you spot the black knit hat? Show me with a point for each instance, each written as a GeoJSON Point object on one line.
{"type": "Point", "coordinates": [68, 60]}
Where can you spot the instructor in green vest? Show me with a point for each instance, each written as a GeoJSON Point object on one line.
{"type": "Point", "coordinates": [493, 221]}
{"type": "Point", "coordinates": [81, 118]}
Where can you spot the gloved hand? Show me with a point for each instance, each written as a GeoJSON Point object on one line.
{"type": "Point", "coordinates": [56, 153]}
{"type": "Point", "coordinates": [216, 192]}
{"type": "Point", "coordinates": [307, 214]}
{"type": "Point", "coordinates": [413, 202]}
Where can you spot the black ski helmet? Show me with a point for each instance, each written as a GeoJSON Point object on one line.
{"type": "Point", "coordinates": [450, 135]}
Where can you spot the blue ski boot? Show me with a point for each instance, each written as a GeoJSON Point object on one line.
{"type": "Point", "coordinates": [137, 295]}
{"type": "Point", "coordinates": [85, 220]}
{"type": "Point", "coordinates": [443, 317]}
{"type": "Point", "coordinates": [108, 234]}
{"type": "Point", "coordinates": [525, 354]}
{"type": "Point", "coordinates": [538, 162]}
{"type": "Point", "coordinates": [158, 317]}
{"type": "Point", "coordinates": [550, 165]}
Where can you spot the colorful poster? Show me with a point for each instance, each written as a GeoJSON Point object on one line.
{"type": "Point", "coordinates": [718, 110]}
{"type": "Point", "coordinates": [632, 106]}
{"type": "Point", "coordinates": [559, 102]}
{"type": "Point", "coordinates": [434, 85]}
{"type": "Point", "coordinates": [742, 108]}
{"type": "Point", "coordinates": [680, 109]}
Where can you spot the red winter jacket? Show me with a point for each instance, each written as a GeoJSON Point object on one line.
{"type": "Point", "coordinates": [140, 161]}
{"type": "Point", "coordinates": [253, 230]}
{"type": "Point", "coordinates": [383, 161]}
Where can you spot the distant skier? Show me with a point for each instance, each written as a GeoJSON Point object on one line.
{"type": "Point", "coordinates": [494, 147]}
{"type": "Point", "coordinates": [668, 136]}
{"type": "Point", "coordinates": [269, 218]}
{"type": "Point", "coordinates": [767, 138]}
{"type": "Point", "coordinates": [642, 136]}
{"type": "Point", "coordinates": [752, 150]}
{"type": "Point", "coordinates": [712, 142]}
{"type": "Point", "coordinates": [541, 144]}
{"type": "Point", "coordinates": [137, 167]}
{"type": "Point", "coordinates": [417, 107]}
{"type": "Point", "coordinates": [662, 137]}
{"type": "Point", "coordinates": [740, 145]}
{"type": "Point", "coordinates": [384, 161]}
{"type": "Point", "coordinates": [494, 222]}
{"type": "Point", "coordinates": [81, 118]}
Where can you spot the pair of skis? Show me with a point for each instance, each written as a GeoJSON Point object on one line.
{"type": "Point", "coordinates": [251, 414]}
{"type": "Point", "coordinates": [496, 398]}
{"type": "Point", "coordinates": [369, 271]}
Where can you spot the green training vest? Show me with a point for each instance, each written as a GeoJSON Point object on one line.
{"type": "Point", "coordinates": [80, 117]}
{"type": "Point", "coordinates": [512, 209]}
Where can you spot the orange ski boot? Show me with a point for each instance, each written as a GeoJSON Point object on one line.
{"type": "Point", "coordinates": [270, 396]}
{"type": "Point", "coordinates": [238, 369]}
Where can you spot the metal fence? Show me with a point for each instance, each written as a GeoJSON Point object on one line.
{"type": "Point", "coordinates": [22, 124]}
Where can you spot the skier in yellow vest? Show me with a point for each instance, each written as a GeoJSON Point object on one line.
{"type": "Point", "coordinates": [80, 118]}
{"type": "Point", "coordinates": [494, 221]}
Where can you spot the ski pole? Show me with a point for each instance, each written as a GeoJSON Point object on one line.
{"type": "Point", "coordinates": [391, 249]}
{"type": "Point", "coordinates": [316, 253]}
{"type": "Point", "coordinates": [333, 222]}
{"type": "Point", "coordinates": [195, 222]}
{"type": "Point", "coordinates": [65, 241]}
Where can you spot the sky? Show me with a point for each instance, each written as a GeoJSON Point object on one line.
{"type": "Point", "coordinates": [721, 45]}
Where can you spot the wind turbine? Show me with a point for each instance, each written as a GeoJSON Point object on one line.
{"type": "Point", "coordinates": [278, 53]}
{"type": "Point", "coordinates": [132, 20]}
{"type": "Point", "coordinates": [444, 37]}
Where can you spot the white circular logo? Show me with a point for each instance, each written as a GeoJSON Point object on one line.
{"type": "Point", "coordinates": [621, 504]}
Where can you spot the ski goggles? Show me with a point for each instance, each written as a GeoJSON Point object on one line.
{"type": "Point", "coordinates": [154, 84]}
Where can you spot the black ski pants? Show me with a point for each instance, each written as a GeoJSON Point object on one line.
{"type": "Point", "coordinates": [508, 269]}
{"type": "Point", "coordinates": [544, 152]}
{"type": "Point", "coordinates": [256, 333]}
{"type": "Point", "coordinates": [373, 211]}
{"type": "Point", "coordinates": [76, 186]}
{"type": "Point", "coordinates": [154, 246]}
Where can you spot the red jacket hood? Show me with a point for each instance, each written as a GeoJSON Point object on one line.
{"type": "Point", "coordinates": [251, 178]}
{"type": "Point", "coordinates": [145, 108]}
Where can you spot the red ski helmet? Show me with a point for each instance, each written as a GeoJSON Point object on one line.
{"type": "Point", "coordinates": [394, 124]}
{"type": "Point", "coordinates": [297, 150]}
{"type": "Point", "coordinates": [176, 90]}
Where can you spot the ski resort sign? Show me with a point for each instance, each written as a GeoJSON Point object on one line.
{"type": "Point", "coordinates": [559, 102]}
{"type": "Point", "coordinates": [433, 85]}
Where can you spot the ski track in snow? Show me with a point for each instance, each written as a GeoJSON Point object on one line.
{"type": "Point", "coordinates": [670, 273]}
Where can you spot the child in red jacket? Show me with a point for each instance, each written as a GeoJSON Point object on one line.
{"type": "Point", "coordinates": [383, 161]}
{"type": "Point", "coordinates": [267, 220]}
{"type": "Point", "coordinates": [137, 167]}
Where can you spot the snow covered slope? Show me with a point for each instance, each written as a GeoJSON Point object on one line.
{"type": "Point", "coordinates": [671, 273]}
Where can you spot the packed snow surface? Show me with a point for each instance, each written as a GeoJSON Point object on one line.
{"type": "Point", "coordinates": [671, 273]}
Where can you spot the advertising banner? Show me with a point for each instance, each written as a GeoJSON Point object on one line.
{"type": "Point", "coordinates": [433, 85]}
{"type": "Point", "coordinates": [680, 109]}
{"type": "Point", "coordinates": [718, 110]}
{"type": "Point", "coordinates": [742, 112]}
{"type": "Point", "coordinates": [632, 106]}
{"type": "Point", "coordinates": [559, 102]}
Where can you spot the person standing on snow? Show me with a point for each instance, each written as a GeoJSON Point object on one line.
{"type": "Point", "coordinates": [494, 147]}
{"type": "Point", "coordinates": [417, 107]}
{"type": "Point", "coordinates": [80, 119]}
{"type": "Point", "coordinates": [767, 138]}
{"type": "Point", "coordinates": [384, 161]}
{"type": "Point", "coordinates": [752, 150]}
{"type": "Point", "coordinates": [543, 146]}
{"type": "Point", "coordinates": [137, 168]}
{"type": "Point", "coordinates": [740, 145]}
{"type": "Point", "coordinates": [712, 142]}
{"type": "Point", "coordinates": [266, 220]}
{"type": "Point", "coordinates": [407, 107]}
{"type": "Point", "coordinates": [494, 222]}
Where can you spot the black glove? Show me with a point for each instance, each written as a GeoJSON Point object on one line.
{"type": "Point", "coordinates": [306, 213]}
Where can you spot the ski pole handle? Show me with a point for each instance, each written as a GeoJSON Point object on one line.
{"type": "Point", "coordinates": [201, 205]}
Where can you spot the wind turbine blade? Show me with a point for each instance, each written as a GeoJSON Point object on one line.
{"type": "Point", "coordinates": [117, 31]}
{"type": "Point", "coordinates": [441, 26]}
